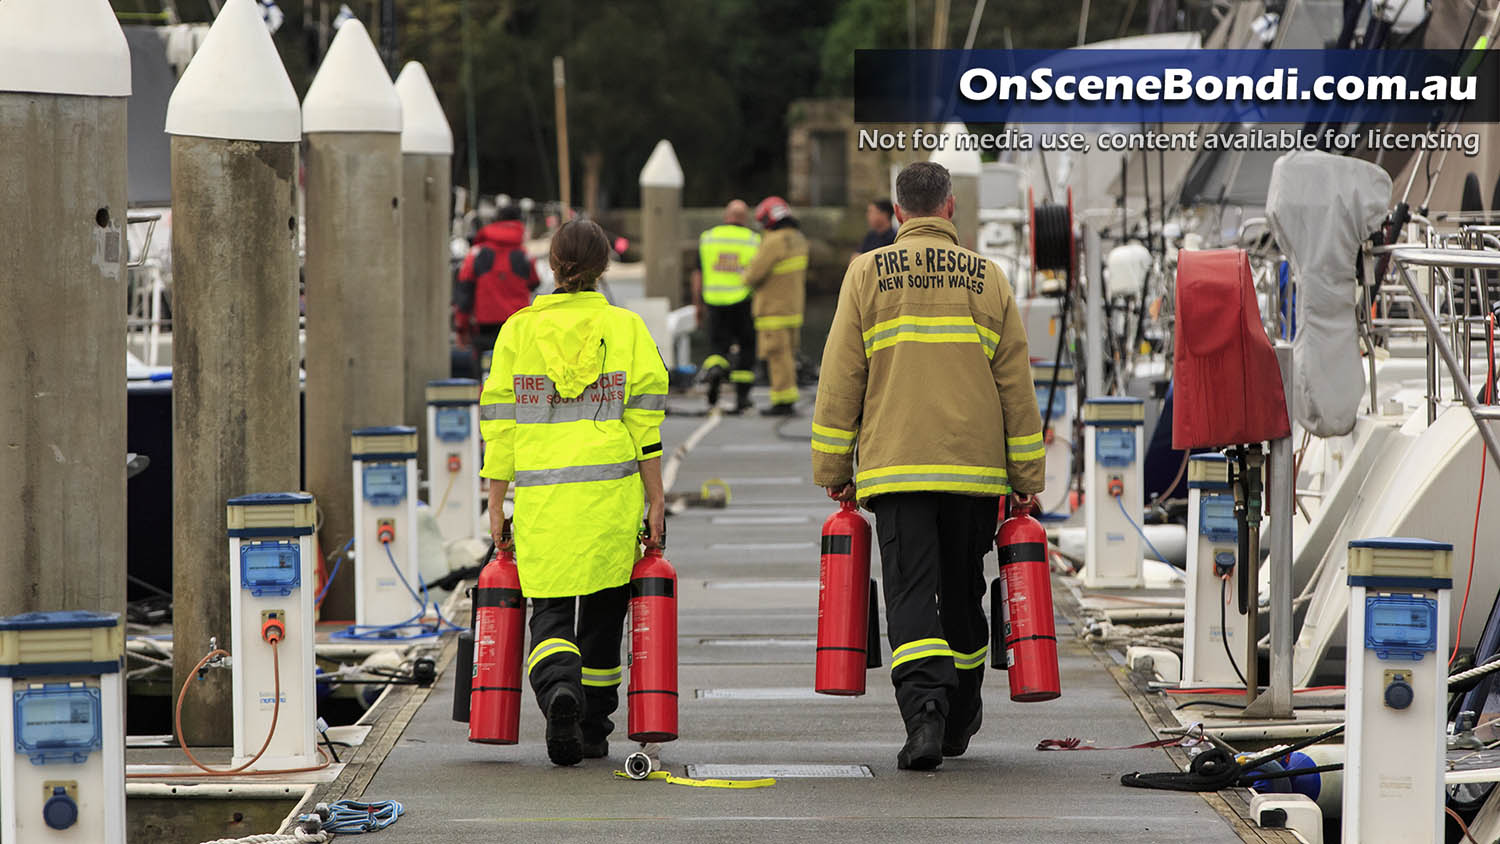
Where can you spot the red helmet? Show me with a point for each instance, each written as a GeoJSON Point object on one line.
{"type": "Point", "coordinates": [772, 209]}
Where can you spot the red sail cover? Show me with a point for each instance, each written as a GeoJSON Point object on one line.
{"type": "Point", "coordinates": [1227, 386]}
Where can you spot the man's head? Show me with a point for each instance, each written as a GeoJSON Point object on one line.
{"type": "Point", "coordinates": [924, 189]}
{"type": "Point", "coordinates": [878, 214]}
{"type": "Point", "coordinates": [508, 212]}
{"type": "Point", "coordinates": [737, 213]}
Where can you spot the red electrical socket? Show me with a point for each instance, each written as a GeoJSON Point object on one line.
{"type": "Point", "coordinates": [385, 531]}
{"type": "Point", "coordinates": [272, 628]}
{"type": "Point", "coordinates": [454, 463]}
{"type": "Point", "coordinates": [1116, 487]}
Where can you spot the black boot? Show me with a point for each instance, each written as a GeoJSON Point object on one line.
{"type": "Point", "coordinates": [713, 391]}
{"type": "Point", "coordinates": [564, 737]}
{"type": "Point", "coordinates": [779, 410]}
{"type": "Point", "coordinates": [924, 740]}
{"type": "Point", "coordinates": [742, 400]}
{"type": "Point", "coordinates": [957, 744]}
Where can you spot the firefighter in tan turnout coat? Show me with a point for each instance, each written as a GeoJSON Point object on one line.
{"type": "Point", "coordinates": [927, 413]}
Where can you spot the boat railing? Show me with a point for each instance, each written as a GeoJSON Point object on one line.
{"type": "Point", "coordinates": [1459, 279]}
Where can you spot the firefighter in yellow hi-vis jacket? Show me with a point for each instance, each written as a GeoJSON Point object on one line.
{"type": "Point", "coordinates": [571, 417]}
{"type": "Point", "coordinates": [926, 385]}
{"type": "Point", "coordinates": [778, 275]}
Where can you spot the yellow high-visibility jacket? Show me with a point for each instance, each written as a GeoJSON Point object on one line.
{"type": "Point", "coordinates": [724, 253]}
{"type": "Point", "coordinates": [778, 275]}
{"type": "Point", "coordinates": [927, 371]}
{"type": "Point", "coordinates": [574, 401]}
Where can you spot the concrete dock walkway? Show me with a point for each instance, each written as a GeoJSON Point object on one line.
{"type": "Point", "coordinates": [748, 613]}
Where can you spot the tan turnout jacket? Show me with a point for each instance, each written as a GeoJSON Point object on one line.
{"type": "Point", "coordinates": [926, 380]}
{"type": "Point", "coordinates": [779, 277]}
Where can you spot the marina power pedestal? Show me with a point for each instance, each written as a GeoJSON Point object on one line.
{"type": "Point", "coordinates": [1059, 434]}
{"type": "Point", "coordinates": [272, 576]}
{"type": "Point", "coordinates": [453, 457]}
{"type": "Point", "coordinates": [1112, 490]}
{"type": "Point", "coordinates": [62, 773]}
{"type": "Point", "coordinates": [1396, 690]}
{"type": "Point", "coordinates": [386, 576]}
{"type": "Point", "coordinates": [1212, 611]}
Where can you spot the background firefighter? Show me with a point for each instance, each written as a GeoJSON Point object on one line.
{"type": "Point", "coordinates": [571, 415]}
{"type": "Point", "coordinates": [724, 253]}
{"type": "Point", "coordinates": [778, 275]}
{"type": "Point", "coordinates": [926, 376]}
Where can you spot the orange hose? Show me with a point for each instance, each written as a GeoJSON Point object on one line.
{"type": "Point", "coordinates": [240, 770]}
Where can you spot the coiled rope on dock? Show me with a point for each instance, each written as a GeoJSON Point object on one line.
{"type": "Point", "coordinates": [296, 836]}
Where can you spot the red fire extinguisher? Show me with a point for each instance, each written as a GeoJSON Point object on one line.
{"type": "Point", "coordinates": [844, 598]}
{"type": "Point", "coordinates": [499, 624]}
{"type": "Point", "coordinates": [653, 648]}
{"type": "Point", "coordinates": [1022, 637]}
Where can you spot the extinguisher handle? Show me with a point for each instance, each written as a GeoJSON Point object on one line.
{"type": "Point", "coordinates": [645, 537]}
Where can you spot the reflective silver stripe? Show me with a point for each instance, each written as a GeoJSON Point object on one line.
{"type": "Point", "coordinates": [603, 676]}
{"type": "Point", "coordinates": [538, 401]}
{"type": "Point", "coordinates": [647, 401]}
{"type": "Point", "coordinates": [847, 445]}
{"type": "Point", "coordinates": [577, 474]}
{"type": "Point", "coordinates": [497, 412]}
{"type": "Point", "coordinates": [908, 328]}
{"type": "Point", "coordinates": [971, 661]}
{"type": "Point", "coordinates": [569, 410]}
{"type": "Point", "coordinates": [932, 477]}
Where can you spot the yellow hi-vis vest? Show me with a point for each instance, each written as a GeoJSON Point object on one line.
{"type": "Point", "coordinates": [574, 401]}
{"type": "Point", "coordinates": [724, 252]}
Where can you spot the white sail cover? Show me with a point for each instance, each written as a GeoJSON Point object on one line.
{"type": "Point", "coordinates": [1320, 207]}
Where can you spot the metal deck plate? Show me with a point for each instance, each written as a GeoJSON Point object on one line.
{"type": "Point", "coordinates": [762, 583]}
{"type": "Point", "coordinates": [789, 693]}
{"type": "Point", "coordinates": [763, 546]}
{"type": "Point", "coordinates": [779, 771]}
{"type": "Point", "coordinates": [759, 641]}
{"type": "Point", "coordinates": [760, 520]}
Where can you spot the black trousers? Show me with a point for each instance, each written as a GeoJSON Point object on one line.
{"type": "Point", "coordinates": [584, 656]}
{"type": "Point", "coordinates": [932, 547]}
{"type": "Point", "coordinates": [731, 342]}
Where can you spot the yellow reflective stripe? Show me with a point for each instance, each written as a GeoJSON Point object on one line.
{"type": "Point", "coordinates": [786, 396]}
{"type": "Point", "coordinates": [771, 323]}
{"type": "Point", "coordinates": [789, 265]}
{"type": "Point", "coordinates": [832, 440]}
{"type": "Point", "coordinates": [742, 376]}
{"type": "Point", "coordinates": [971, 661]}
{"type": "Point", "coordinates": [603, 677]}
{"type": "Point", "coordinates": [1029, 439]}
{"type": "Point", "coordinates": [924, 329]}
{"type": "Point", "coordinates": [920, 649]}
{"type": "Point", "coordinates": [716, 360]}
{"type": "Point", "coordinates": [832, 433]}
{"type": "Point", "coordinates": [982, 480]}
{"type": "Point", "coordinates": [549, 647]}
{"type": "Point", "coordinates": [1024, 454]}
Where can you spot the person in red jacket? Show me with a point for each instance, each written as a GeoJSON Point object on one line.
{"type": "Point", "coordinates": [495, 281]}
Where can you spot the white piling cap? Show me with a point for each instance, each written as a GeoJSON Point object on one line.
{"type": "Point", "coordinates": [235, 87]}
{"type": "Point", "coordinates": [352, 91]}
{"type": "Point", "coordinates": [959, 162]}
{"type": "Point", "coordinates": [424, 128]}
{"type": "Point", "coordinates": [63, 47]}
{"type": "Point", "coordinates": [662, 169]}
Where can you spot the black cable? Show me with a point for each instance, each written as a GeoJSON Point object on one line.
{"type": "Point", "coordinates": [1052, 232]}
{"type": "Point", "coordinates": [1224, 629]}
